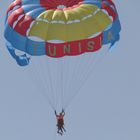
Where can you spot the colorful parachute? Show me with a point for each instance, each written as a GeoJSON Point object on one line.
{"type": "Point", "coordinates": [61, 30]}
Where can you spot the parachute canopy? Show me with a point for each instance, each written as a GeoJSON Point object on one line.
{"type": "Point", "coordinates": [59, 28]}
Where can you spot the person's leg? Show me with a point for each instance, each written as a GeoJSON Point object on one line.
{"type": "Point", "coordinates": [57, 128]}
{"type": "Point", "coordinates": [59, 131]}
{"type": "Point", "coordinates": [63, 128]}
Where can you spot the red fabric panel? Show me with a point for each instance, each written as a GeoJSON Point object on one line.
{"type": "Point", "coordinates": [111, 2]}
{"type": "Point", "coordinates": [109, 10]}
{"type": "Point", "coordinates": [52, 4]}
{"type": "Point", "coordinates": [23, 25]}
{"type": "Point", "coordinates": [15, 3]}
{"type": "Point", "coordinates": [14, 16]}
{"type": "Point", "coordinates": [74, 47]}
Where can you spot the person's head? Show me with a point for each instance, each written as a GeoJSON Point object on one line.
{"type": "Point", "coordinates": [60, 114]}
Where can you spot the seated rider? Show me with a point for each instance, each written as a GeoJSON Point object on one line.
{"type": "Point", "coordinates": [60, 122]}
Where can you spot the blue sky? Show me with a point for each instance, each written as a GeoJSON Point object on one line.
{"type": "Point", "coordinates": [107, 107]}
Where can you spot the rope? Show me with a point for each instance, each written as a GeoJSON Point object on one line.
{"type": "Point", "coordinates": [76, 92]}
{"type": "Point", "coordinates": [60, 80]}
{"type": "Point", "coordinates": [37, 74]}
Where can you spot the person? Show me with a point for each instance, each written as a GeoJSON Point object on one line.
{"type": "Point", "coordinates": [60, 122]}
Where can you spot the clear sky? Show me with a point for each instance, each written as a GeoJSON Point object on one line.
{"type": "Point", "coordinates": [107, 107]}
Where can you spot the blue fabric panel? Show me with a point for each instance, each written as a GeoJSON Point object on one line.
{"type": "Point", "coordinates": [21, 60]}
{"type": "Point", "coordinates": [33, 10]}
{"type": "Point", "coordinates": [17, 40]}
{"type": "Point", "coordinates": [114, 30]}
{"type": "Point", "coordinates": [23, 43]}
{"type": "Point", "coordinates": [35, 48]}
{"type": "Point", "coordinates": [28, 2]}
{"type": "Point", "coordinates": [94, 2]}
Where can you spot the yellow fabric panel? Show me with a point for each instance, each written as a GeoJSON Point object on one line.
{"type": "Point", "coordinates": [47, 31]}
{"type": "Point", "coordinates": [70, 15]}
{"type": "Point", "coordinates": [80, 12]}
{"type": "Point", "coordinates": [73, 14]}
{"type": "Point", "coordinates": [56, 32]}
{"type": "Point", "coordinates": [83, 11]}
{"type": "Point", "coordinates": [73, 31]}
{"type": "Point", "coordinates": [46, 15]}
{"type": "Point", "coordinates": [84, 29]}
{"type": "Point", "coordinates": [89, 7]}
{"type": "Point", "coordinates": [59, 15]}
{"type": "Point", "coordinates": [102, 19]}
{"type": "Point", "coordinates": [39, 29]}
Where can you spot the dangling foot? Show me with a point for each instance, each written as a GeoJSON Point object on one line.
{"type": "Point", "coordinates": [64, 129]}
{"type": "Point", "coordinates": [59, 133]}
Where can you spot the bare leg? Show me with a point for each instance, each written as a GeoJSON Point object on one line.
{"type": "Point", "coordinates": [63, 128]}
{"type": "Point", "coordinates": [59, 132]}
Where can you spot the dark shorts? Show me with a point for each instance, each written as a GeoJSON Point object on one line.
{"type": "Point", "coordinates": [60, 123]}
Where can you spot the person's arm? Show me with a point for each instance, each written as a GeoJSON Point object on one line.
{"type": "Point", "coordinates": [63, 112]}
{"type": "Point", "coordinates": [55, 113]}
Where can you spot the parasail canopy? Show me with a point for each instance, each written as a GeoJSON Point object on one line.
{"type": "Point", "coordinates": [60, 28]}
{"type": "Point", "coordinates": [68, 35]}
